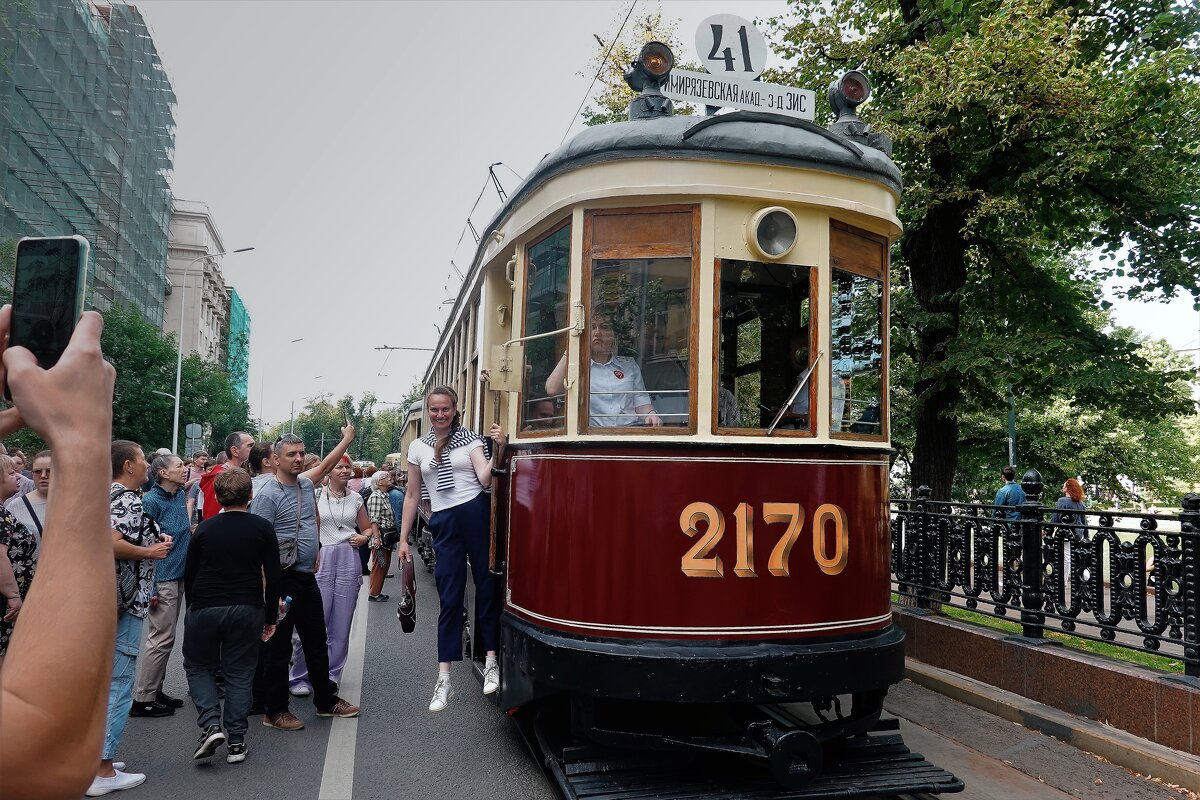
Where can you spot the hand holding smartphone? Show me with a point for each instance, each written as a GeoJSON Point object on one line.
{"type": "Point", "coordinates": [48, 291]}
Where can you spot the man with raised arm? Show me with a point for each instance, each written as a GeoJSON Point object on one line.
{"type": "Point", "coordinates": [289, 504]}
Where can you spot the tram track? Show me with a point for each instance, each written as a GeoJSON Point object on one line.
{"type": "Point", "coordinates": [870, 766]}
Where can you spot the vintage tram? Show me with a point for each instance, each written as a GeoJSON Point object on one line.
{"type": "Point", "coordinates": [685, 321]}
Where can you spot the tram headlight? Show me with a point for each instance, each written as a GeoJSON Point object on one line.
{"type": "Point", "coordinates": [772, 232]}
{"type": "Point", "coordinates": [651, 68]}
{"type": "Point", "coordinates": [848, 92]}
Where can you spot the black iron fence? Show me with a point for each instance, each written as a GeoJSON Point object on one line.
{"type": "Point", "coordinates": [1129, 579]}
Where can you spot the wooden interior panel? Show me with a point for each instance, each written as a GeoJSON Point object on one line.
{"type": "Point", "coordinates": [644, 229]}
{"type": "Point", "coordinates": [857, 251]}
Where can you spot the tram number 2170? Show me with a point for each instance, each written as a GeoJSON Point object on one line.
{"type": "Point", "coordinates": [697, 563]}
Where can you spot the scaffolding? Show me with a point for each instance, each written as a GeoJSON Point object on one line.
{"type": "Point", "coordinates": [87, 138]}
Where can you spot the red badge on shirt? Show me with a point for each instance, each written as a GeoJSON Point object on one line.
{"type": "Point", "coordinates": [619, 374]}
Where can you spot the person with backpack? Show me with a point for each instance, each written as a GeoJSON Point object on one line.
{"type": "Point", "coordinates": [136, 544]}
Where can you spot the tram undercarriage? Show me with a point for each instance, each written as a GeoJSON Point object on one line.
{"type": "Point", "coordinates": [626, 740]}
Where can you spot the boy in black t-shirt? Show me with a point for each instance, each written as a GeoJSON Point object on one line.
{"type": "Point", "coordinates": [231, 585]}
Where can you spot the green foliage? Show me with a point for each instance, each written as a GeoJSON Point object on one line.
{"type": "Point", "coordinates": [8, 267]}
{"type": "Point", "coordinates": [612, 104]}
{"type": "Point", "coordinates": [377, 431]}
{"type": "Point", "coordinates": [1028, 131]}
{"type": "Point", "coordinates": [145, 362]}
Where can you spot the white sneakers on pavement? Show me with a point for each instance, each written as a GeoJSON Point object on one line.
{"type": "Point", "coordinates": [442, 690]}
{"type": "Point", "coordinates": [491, 678]}
{"type": "Point", "coordinates": [122, 780]}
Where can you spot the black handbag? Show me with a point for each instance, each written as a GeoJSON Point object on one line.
{"type": "Point", "coordinates": [406, 611]}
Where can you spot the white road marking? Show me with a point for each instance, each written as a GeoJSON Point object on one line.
{"type": "Point", "coordinates": [337, 777]}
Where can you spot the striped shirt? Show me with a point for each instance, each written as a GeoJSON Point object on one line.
{"type": "Point", "coordinates": [450, 481]}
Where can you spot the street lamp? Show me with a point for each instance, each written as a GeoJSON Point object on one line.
{"type": "Point", "coordinates": [179, 356]}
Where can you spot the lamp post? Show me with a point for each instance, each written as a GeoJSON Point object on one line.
{"type": "Point", "coordinates": [179, 356]}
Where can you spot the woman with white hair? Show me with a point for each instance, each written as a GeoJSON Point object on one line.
{"type": "Point", "coordinates": [379, 510]}
{"type": "Point", "coordinates": [344, 528]}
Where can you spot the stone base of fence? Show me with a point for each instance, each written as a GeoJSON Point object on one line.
{"type": "Point", "coordinates": [1157, 706]}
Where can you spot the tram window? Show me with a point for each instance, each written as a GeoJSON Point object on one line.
{"type": "Point", "coordinates": [766, 346]}
{"type": "Point", "coordinates": [856, 352]}
{"type": "Point", "coordinates": [546, 309]}
{"type": "Point", "coordinates": [638, 335]}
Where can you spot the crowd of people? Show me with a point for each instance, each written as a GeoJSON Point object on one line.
{"type": "Point", "coordinates": [260, 543]}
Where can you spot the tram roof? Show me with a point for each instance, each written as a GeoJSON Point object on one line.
{"type": "Point", "coordinates": [741, 136]}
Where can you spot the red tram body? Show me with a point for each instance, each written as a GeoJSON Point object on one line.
{"type": "Point", "coordinates": [685, 324]}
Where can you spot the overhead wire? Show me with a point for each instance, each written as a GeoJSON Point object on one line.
{"type": "Point", "coordinates": [599, 69]}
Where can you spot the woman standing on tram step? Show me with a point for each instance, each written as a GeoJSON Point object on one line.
{"type": "Point", "coordinates": [453, 473]}
{"type": "Point", "coordinates": [339, 575]}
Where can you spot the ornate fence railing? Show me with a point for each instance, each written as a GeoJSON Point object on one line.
{"type": "Point", "coordinates": [1128, 579]}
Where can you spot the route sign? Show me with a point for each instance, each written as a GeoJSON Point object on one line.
{"type": "Point", "coordinates": [717, 90]}
{"type": "Point", "coordinates": [730, 46]}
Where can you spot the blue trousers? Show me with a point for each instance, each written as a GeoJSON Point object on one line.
{"type": "Point", "coordinates": [461, 533]}
{"type": "Point", "coordinates": [120, 690]}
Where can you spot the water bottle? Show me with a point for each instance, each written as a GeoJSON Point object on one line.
{"type": "Point", "coordinates": [287, 606]}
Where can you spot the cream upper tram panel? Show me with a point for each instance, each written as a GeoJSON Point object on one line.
{"type": "Point", "coordinates": [730, 166]}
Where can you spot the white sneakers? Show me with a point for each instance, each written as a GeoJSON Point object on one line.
{"type": "Point", "coordinates": [491, 678]}
{"type": "Point", "coordinates": [442, 690]}
{"type": "Point", "coordinates": [122, 780]}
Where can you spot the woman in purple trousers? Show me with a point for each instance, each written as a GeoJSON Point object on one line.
{"type": "Point", "coordinates": [339, 570]}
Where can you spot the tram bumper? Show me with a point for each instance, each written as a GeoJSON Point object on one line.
{"type": "Point", "coordinates": [539, 662]}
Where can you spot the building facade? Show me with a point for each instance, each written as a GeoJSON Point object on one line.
{"type": "Point", "coordinates": [237, 361]}
{"type": "Point", "coordinates": [87, 136]}
{"type": "Point", "coordinates": [197, 301]}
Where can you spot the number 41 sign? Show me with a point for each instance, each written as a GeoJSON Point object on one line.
{"type": "Point", "coordinates": [730, 46]}
{"type": "Point", "coordinates": [735, 53]}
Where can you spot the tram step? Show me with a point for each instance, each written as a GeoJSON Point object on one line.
{"type": "Point", "coordinates": [869, 765]}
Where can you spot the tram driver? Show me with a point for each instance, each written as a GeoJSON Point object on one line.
{"type": "Point", "coordinates": [617, 395]}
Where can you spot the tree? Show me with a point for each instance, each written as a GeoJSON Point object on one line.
{"type": "Point", "coordinates": [8, 268]}
{"type": "Point", "coordinates": [1062, 438]}
{"type": "Point", "coordinates": [612, 104]}
{"type": "Point", "coordinates": [145, 362]}
{"type": "Point", "coordinates": [1028, 131]}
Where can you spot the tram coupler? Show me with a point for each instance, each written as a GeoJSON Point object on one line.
{"type": "Point", "coordinates": [795, 756]}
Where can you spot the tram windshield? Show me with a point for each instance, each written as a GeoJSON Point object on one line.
{"type": "Point", "coordinates": [766, 346]}
{"type": "Point", "coordinates": [546, 310]}
{"type": "Point", "coordinates": [637, 343]}
{"type": "Point", "coordinates": [856, 351]}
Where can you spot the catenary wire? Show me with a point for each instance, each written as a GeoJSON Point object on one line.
{"type": "Point", "coordinates": [596, 77]}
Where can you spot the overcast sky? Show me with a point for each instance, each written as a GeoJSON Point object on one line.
{"type": "Point", "coordinates": [347, 141]}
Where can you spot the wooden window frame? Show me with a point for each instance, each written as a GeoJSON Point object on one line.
{"type": "Point", "coordinates": [642, 251]}
{"type": "Point", "coordinates": [813, 339]}
{"type": "Point", "coordinates": [885, 333]}
{"type": "Point", "coordinates": [561, 430]}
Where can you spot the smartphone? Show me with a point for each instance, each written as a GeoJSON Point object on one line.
{"type": "Point", "coordinates": [48, 291]}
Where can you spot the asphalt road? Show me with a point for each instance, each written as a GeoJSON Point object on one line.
{"type": "Point", "coordinates": [398, 750]}
{"type": "Point", "coordinates": [395, 749]}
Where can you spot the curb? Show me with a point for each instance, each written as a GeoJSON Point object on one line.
{"type": "Point", "coordinates": [1113, 744]}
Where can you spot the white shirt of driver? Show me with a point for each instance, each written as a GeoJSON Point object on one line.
{"type": "Point", "coordinates": [616, 389]}
{"type": "Point", "coordinates": [837, 402]}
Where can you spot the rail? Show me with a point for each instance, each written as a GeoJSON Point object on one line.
{"type": "Point", "coordinates": [1127, 579]}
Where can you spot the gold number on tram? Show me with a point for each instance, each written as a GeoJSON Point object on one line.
{"type": "Point", "coordinates": [744, 519]}
{"type": "Point", "coordinates": [793, 515]}
{"type": "Point", "coordinates": [697, 562]}
{"type": "Point", "coordinates": [841, 534]}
